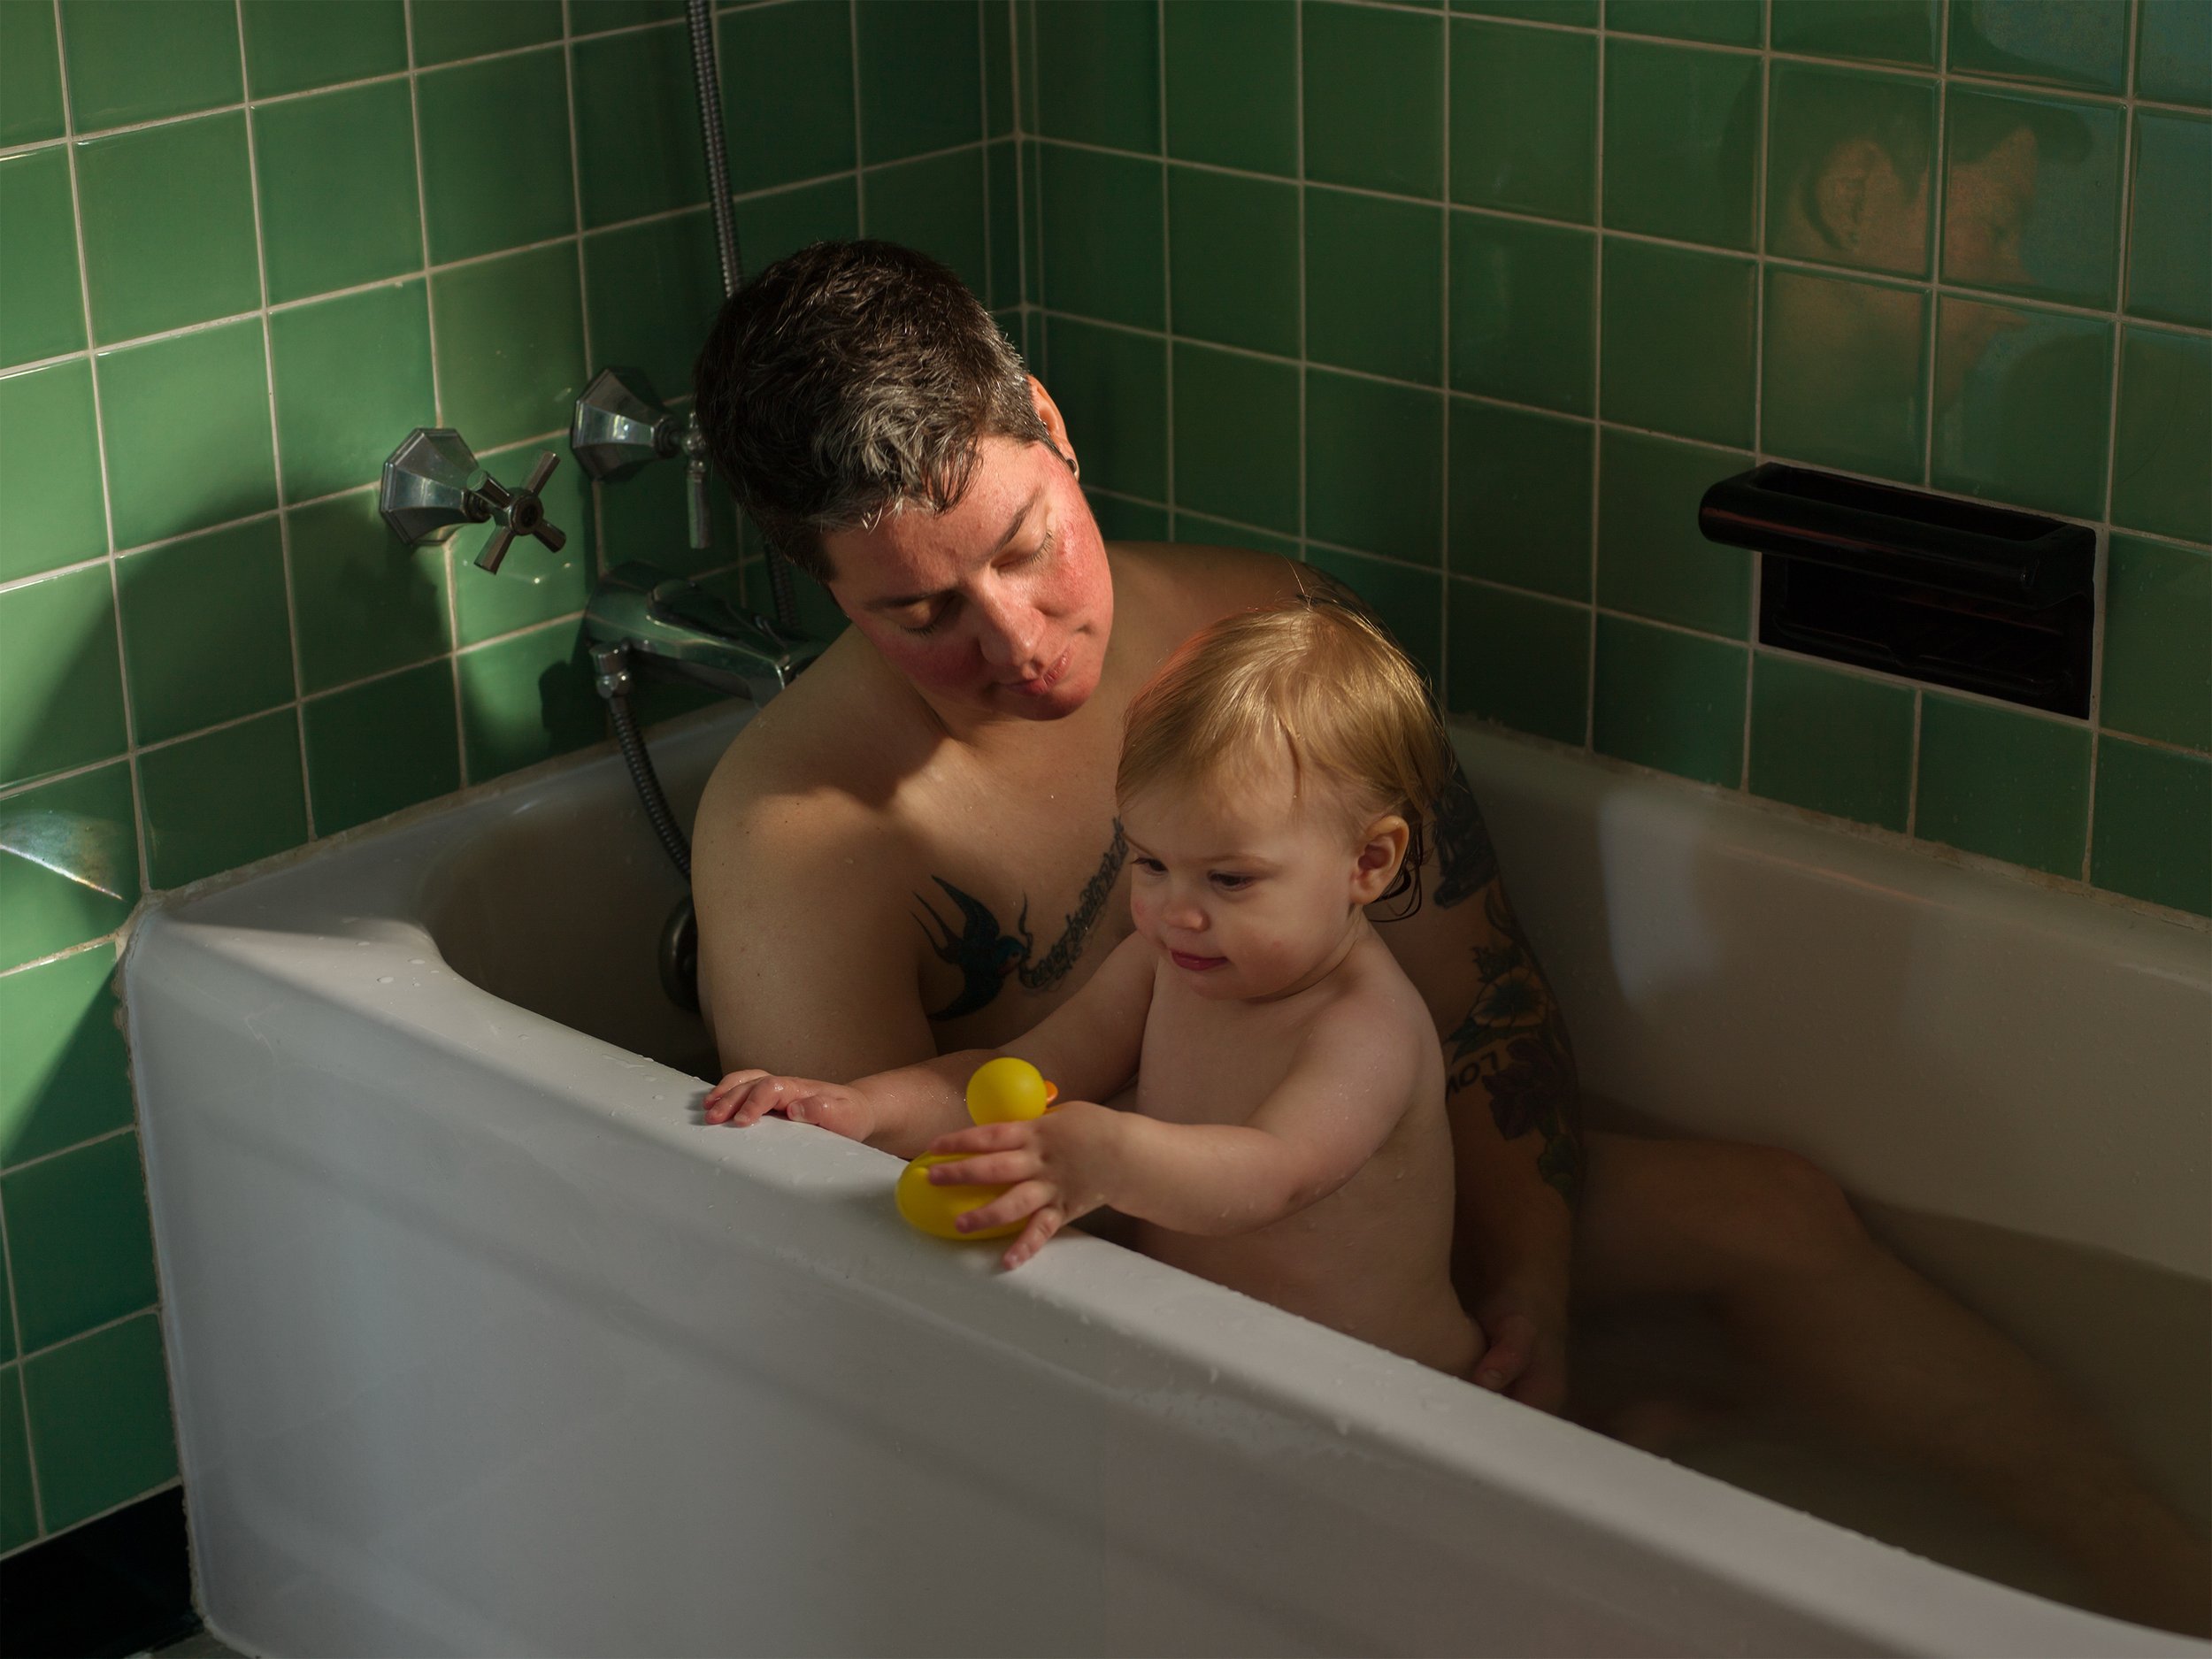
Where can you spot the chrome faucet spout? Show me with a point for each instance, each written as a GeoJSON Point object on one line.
{"type": "Point", "coordinates": [669, 625]}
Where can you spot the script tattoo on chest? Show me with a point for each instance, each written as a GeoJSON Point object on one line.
{"type": "Point", "coordinates": [1466, 861]}
{"type": "Point", "coordinates": [986, 955]}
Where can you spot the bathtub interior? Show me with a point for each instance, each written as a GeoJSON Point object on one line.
{"type": "Point", "coordinates": [561, 912]}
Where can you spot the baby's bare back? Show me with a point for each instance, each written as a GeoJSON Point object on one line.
{"type": "Point", "coordinates": [1371, 1259]}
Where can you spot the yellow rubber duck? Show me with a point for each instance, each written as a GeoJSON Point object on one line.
{"type": "Point", "coordinates": [1005, 1090]}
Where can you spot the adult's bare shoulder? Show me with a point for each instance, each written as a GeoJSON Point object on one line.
{"type": "Point", "coordinates": [1184, 585]}
{"type": "Point", "coordinates": [799, 876]}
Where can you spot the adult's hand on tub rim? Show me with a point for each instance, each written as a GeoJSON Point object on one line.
{"type": "Point", "coordinates": [743, 1098]}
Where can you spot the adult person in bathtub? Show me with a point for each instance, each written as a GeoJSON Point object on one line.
{"type": "Point", "coordinates": [1289, 1137]}
{"type": "Point", "coordinates": [879, 861]}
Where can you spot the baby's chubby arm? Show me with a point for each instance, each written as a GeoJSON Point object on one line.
{"type": "Point", "coordinates": [1346, 1091]}
{"type": "Point", "coordinates": [1088, 1046]}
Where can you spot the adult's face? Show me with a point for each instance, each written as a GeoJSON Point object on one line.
{"type": "Point", "coordinates": [1986, 211]}
{"type": "Point", "coordinates": [1001, 605]}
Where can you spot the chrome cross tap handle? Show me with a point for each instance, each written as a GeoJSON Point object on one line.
{"type": "Point", "coordinates": [433, 485]}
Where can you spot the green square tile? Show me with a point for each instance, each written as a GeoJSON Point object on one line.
{"type": "Point", "coordinates": [1359, 60]}
{"type": "Point", "coordinates": [921, 79]}
{"type": "Point", "coordinates": [1998, 781]}
{"type": "Point", "coordinates": [42, 308]}
{"type": "Point", "coordinates": [1567, 13]}
{"type": "Point", "coordinates": [79, 1241]}
{"type": "Point", "coordinates": [1844, 377]}
{"type": "Point", "coordinates": [2169, 234]}
{"type": "Point", "coordinates": [2158, 642]}
{"type": "Point", "coordinates": [533, 583]}
{"type": "Point", "coordinates": [206, 637]}
{"type": "Point", "coordinates": [649, 517]}
{"type": "Point", "coordinates": [186, 189]}
{"type": "Point", "coordinates": [1651, 558]}
{"type": "Point", "coordinates": [1105, 253]}
{"type": "Point", "coordinates": [362, 603]}
{"type": "Point", "coordinates": [1677, 342]}
{"type": "Point", "coordinates": [2160, 481]}
{"type": "Point", "coordinates": [2154, 836]}
{"type": "Point", "coordinates": [376, 748]}
{"type": "Point", "coordinates": [1524, 311]}
{"type": "Point", "coordinates": [447, 30]}
{"type": "Point", "coordinates": [352, 379]}
{"type": "Point", "coordinates": [1025, 58]}
{"type": "Point", "coordinates": [2173, 52]}
{"type": "Point", "coordinates": [1236, 436]}
{"type": "Point", "coordinates": [1234, 250]}
{"type": "Point", "coordinates": [30, 74]}
{"type": "Point", "coordinates": [1849, 155]}
{"type": "Point", "coordinates": [138, 60]}
{"type": "Point", "coordinates": [1681, 142]}
{"type": "Point", "coordinates": [99, 1415]}
{"type": "Point", "coordinates": [1403, 599]}
{"type": "Point", "coordinates": [1123, 520]}
{"type": "Point", "coordinates": [526, 699]}
{"type": "Point", "coordinates": [225, 799]}
{"type": "Point", "coordinates": [49, 470]}
{"type": "Point", "coordinates": [1098, 74]}
{"type": "Point", "coordinates": [63, 684]}
{"type": "Point", "coordinates": [1002, 190]}
{"type": "Point", "coordinates": [16, 1443]}
{"type": "Point", "coordinates": [338, 201]}
{"type": "Point", "coordinates": [66, 1080]}
{"type": "Point", "coordinates": [1375, 284]}
{"type": "Point", "coordinates": [652, 290]}
{"type": "Point", "coordinates": [1524, 119]}
{"type": "Point", "coordinates": [187, 421]}
{"type": "Point", "coordinates": [1520, 498]}
{"type": "Point", "coordinates": [2060, 43]}
{"type": "Point", "coordinates": [1232, 83]}
{"type": "Point", "coordinates": [487, 131]}
{"type": "Point", "coordinates": [1033, 172]}
{"type": "Point", "coordinates": [1111, 388]}
{"type": "Point", "coordinates": [2032, 195]}
{"type": "Point", "coordinates": [935, 204]}
{"type": "Point", "coordinates": [19, 1508]}
{"type": "Point", "coordinates": [1375, 467]}
{"type": "Point", "coordinates": [787, 91]}
{"type": "Point", "coordinates": [780, 222]}
{"type": "Point", "coordinates": [1886, 31]}
{"type": "Point", "coordinates": [509, 335]}
{"type": "Point", "coordinates": [1833, 742]}
{"type": "Point", "coordinates": [90, 882]}
{"type": "Point", "coordinates": [1721, 22]}
{"type": "Point", "coordinates": [998, 68]}
{"type": "Point", "coordinates": [292, 47]}
{"type": "Point", "coordinates": [2034, 395]}
{"type": "Point", "coordinates": [637, 126]}
{"type": "Point", "coordinates": [1521, 661]}
{"type": "Point", "coordinates": [1667, 700]}
{"type": "Point", "coordinates": [1196, 529]}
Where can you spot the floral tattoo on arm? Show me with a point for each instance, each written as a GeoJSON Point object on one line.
{"type": "Point", "coordinates": [1513, 1042]}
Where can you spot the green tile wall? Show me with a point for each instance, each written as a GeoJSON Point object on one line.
{"type": "Point", "coordinates": [1469, 302]}
{"type": "Point", "coordinates": [246, 245]}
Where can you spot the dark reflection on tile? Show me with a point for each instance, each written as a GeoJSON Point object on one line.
{"type": "Point", "coordinates": [2160, 480]}
{"type": "Point", "coordinates": [1844, 379]}
{"type": "Point", "coordinates": [1849, 155]}
{"type": "Point", "coordinates": [2022, 402]}
{"type": "Point", "coordinates": [2059, 43]}
{"type": "Point", "coordinates": [1681, 142]}
{"type": "Point", "coordinates": [2032, 195]}
{"type": "Point", "coordinates": [1887, 31]}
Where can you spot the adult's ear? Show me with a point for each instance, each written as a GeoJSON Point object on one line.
{"type": "Point", "coordinates": [1382, 849]}
{"type": "Point", "coordinates": [1843, 189]}
{"type": "Point", "coordinates": [1048, 412]}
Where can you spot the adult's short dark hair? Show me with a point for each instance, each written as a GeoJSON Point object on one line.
{"type": "Point", "coordinates": [851, 380]}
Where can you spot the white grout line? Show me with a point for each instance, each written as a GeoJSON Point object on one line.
{"type": "Point", "coordinates": [860, 156]}
{"type": "Point", "coordinates": [22, 1393]}
{"type": "Point", "coordinates": [63, 1152]}
{"type": "Point", "coordinates": [172, 1483]}
{"type": "Point", "coordinates": [1597, 369]}
{"type": "Point", "coordinates": [594, 496]}
{"type": "Point", "coordinates": [1758, 384]}
{"type": "Point", "coordinates": [1167, 257]}
{"type": "Point", "coordinates": [276, 445]}
{"type": "Point", "coordinates": [1444, 366]}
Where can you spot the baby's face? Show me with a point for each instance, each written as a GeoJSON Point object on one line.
{"type": "Point", "coordinates": [1249, 894]}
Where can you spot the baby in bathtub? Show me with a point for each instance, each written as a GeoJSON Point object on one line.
{"type": "Point", "coordinates": [1289, 1136]}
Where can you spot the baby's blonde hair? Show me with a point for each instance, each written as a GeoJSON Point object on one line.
{"type": "Point", "coordinates": [1314, 678]}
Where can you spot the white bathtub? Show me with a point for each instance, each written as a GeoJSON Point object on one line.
{"type": "Point", "coordinates": [481, 1345]}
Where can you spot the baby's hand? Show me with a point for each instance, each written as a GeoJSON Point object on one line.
{"type": "Point", "coordinates": [743, 1098]}
{"type": "Point", "coordinates": [1055, 1168]}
